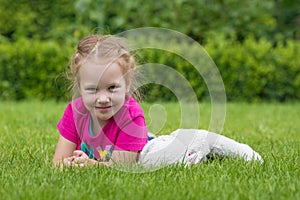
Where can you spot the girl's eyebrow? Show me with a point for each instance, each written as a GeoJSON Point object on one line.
{"type": "Point", "coordinates": [93, 85]}
{"type": "Point", "coordinates": [90, 85]}
{"type": "Point", "coordinates": [114, 83]}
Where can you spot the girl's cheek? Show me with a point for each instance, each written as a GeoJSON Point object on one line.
{"type": "Point", "coordinates": [118, 96]}
{"type": "Point", "coordinates": [89, 99]}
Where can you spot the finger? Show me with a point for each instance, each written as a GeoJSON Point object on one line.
{"type": "Point", "coordinates": [81, 159]}
{"type": "Point", "coordinates": [82, 165]}
{"type": "Point", "coordinates": [78, 165]}
{"type": "Point", "coordinates": [67, 162]}
{"type": "Point", "coordinates": [78, 153]}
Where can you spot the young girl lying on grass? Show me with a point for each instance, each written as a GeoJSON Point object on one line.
{"type": "Point", "coordinates": [105, 125]}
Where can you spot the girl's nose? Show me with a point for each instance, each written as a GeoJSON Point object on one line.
{"type": "Point", "coordinates": [103, 98]}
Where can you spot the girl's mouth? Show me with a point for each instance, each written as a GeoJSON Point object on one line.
{"type": "Point", "coordinates": [103, 107]}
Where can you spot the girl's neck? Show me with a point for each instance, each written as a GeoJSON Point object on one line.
{"type": "Point", "coordinates": [96, 125]}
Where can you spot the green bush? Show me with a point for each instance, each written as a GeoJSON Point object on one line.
{"type": "Point", "coordinates": [252, 70]}
{"type": "Point", "coordinates": [255, 70]}
{"type": "Point", "coordinates": [32, 69]}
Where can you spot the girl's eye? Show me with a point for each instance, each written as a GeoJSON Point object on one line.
{"type": "Point", "coordinates": [113, 88]}
{"type": "Point", "coordinates": [91, 89]}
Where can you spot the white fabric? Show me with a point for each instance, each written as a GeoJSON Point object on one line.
{"type": "Point", "coordinates": [191, 146]}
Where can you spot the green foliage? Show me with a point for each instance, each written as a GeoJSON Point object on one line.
{"type": "Point", "coordinates": [253, 43]}
{"type": "Point", "coordinates": [32, 69]}
{"type": "Point", "coordinates": [198, 19]}
{"type": "Point", "coordinates": [252, 70]}
{"type": "Point", "coordinates": [37, 19]}
{"type": "Point", "coordinates": [256, 70]}
{"type": "Point", "coordinates": [68, 20]}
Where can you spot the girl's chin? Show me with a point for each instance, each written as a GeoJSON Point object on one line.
{"type": "Point", "coordinates": [103, 117]}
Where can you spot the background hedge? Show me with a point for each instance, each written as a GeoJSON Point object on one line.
{"type": "Point", "coordinates": [252, 71]}
{"type": "Point", "coordinates": [33, 69]}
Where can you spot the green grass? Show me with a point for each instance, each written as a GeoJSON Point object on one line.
{"type": "Point", "coordinates": [28, 137]}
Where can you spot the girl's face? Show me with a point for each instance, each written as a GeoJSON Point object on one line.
{"type": "Point", "coordinates": [103, 89]}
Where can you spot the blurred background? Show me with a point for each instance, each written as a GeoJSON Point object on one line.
{"type": "Point", "coordinates": [255, 44]}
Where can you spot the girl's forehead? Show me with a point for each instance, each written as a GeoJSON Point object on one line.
{"type": "Point", "coordinates": [91, 71]}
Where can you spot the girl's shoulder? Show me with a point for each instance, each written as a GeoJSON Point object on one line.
{"type": "Point", "coordinates": [133, 107]}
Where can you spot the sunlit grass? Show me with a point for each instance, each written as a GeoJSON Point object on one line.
{"type": "Point", "coordinates": [28, 137]}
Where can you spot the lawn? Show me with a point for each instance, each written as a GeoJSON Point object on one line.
{"type": "Point", "coordinates": [28, 137]}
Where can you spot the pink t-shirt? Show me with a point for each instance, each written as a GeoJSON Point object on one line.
{"type": "Point", "coordinates": [126, 130]}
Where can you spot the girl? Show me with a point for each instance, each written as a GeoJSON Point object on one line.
{"type": "Point", "coordinates": [105, 124]}
{"type": "Point", "coordinates": [105, 121]}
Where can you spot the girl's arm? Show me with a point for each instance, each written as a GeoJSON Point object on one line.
{"type": "Point", "coordinates": [67, 155]}
{"type": "Point", "coordinates": [80, 159]}
{"type": "Point", "coordinates": [124, 157]}
{"type": "Point", "coordinates": [64, 149]}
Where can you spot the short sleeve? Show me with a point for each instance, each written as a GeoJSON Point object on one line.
{"type": "Point", "coordinates": [66, 126]}
{"type": "Point", "coordinates": [132, 136]}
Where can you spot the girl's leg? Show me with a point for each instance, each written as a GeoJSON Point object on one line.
{"type": "Point", "coordinates": [224, 146]}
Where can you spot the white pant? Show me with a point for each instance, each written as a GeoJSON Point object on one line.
{"type": "Point", "coordinates": [191, 146]}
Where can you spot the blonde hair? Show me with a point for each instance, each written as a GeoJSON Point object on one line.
{"type": "Point", "coordinates": [105, 49]}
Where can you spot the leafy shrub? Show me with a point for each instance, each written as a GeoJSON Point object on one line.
{"type": "Point", "coordinates": [252, 71]}
{"type": "Point", "coordinates": [256, 70]}
{"type": "Point", "coordinates": [32, 69]}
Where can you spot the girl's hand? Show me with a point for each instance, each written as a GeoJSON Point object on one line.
{"type": "Point", "coordinates": [79, 159]}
